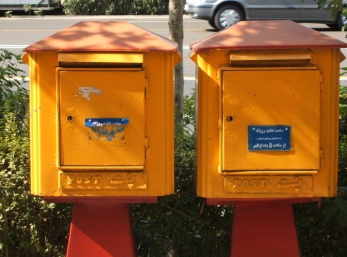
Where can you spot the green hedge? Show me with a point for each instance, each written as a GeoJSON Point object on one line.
{"type": "Point", "coordinates": [114, 7]}
{"type": "Point", "coordinates": [28, 226]}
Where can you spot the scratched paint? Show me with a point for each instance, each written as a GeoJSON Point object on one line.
{"type": "Point", "coordinates": [107, 132]}
{"type": "Point", "coordinates": [86, 91]}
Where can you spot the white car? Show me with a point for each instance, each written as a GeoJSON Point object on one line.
{"type": "Point", "coordinates": [224, 13]}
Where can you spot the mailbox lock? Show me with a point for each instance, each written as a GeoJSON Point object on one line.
{"type": "Point", "coordinates": [229, 118]}
{"type": "Point", "coordinates": [69, 118]}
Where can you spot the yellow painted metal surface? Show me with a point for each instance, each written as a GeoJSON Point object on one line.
{"type": "Point", "coordinates": [69, 158]}
{"type": "Point", "coordinates": [238, 91]}
{"type": "Point", "coordinates": [104, 96]}
{"type": "Point", "coordinates": [270, 98]}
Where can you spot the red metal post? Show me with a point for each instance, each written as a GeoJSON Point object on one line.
{"type": "Point", "coordinates": [101, 226]}
{"type": "Point", "coordinates": [102, 230]}
{"type": "Point", "coordinates": [267, 231]}
{"type": "Point", "coordinates": [263, 227]}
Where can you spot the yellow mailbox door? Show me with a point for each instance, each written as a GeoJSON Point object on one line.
{"type": "Point", "coordinates": [101, 118]}
{"type": "Point", "coordinates": [271, 119]}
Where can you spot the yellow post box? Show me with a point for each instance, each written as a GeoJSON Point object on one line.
{"type": "Point", "coordinates": [102, 111]}
{"type": "Point", "coordinates": [268, 111]}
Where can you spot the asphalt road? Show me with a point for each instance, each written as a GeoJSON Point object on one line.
{"type": "Point", "coordinates": [22, 30]}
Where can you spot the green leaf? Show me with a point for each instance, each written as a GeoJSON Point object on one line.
{"type": "Point", "coordinates": [343, 108]}
{"type": "Point", "coordinates": [342, 192]}
{"type": "Point", "coordinates": [341, 204]}
{"type": "Point", "coordinates": [321, 4]}
{"type": "Point", "coordinates": [329, 208]}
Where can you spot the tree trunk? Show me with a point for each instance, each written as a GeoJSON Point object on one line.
{"type": "Point", "coordinates": [176, 34]}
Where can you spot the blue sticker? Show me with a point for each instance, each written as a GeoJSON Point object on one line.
{"type": "Point", "coordinates": [269, 138]}
{"type": "Point", "coordinates": [99, 122]}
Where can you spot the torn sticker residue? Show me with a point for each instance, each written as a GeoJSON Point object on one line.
{"type": "Point", "coordinates": [106, 129]}
{"type": "Point", "coordinates": [86, 91]}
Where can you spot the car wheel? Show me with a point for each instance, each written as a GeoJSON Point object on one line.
{"type": "Point", "coordinates": [227, 16]}
{"type": "Point", "coordinates": [212, 24]}
{"type": "Point", "coordinates": [341, 21]}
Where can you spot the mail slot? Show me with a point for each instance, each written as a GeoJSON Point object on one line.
{"type": "Point", "coordinates": [102, 111]}
{"type": "Point", "coordinates": [267, 111]}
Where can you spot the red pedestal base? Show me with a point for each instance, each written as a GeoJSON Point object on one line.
{"type": "Point", "coordinates": [263, 227]}
{"type": "Point", "coordinates": [264, 231]}
{"type": "Point", "coordinates": [102, 230]}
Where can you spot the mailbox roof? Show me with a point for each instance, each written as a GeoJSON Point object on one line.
{"type": "Point", "coordinates": [266, 35]}
{"type": "Point", "coordinates": [104, 36]}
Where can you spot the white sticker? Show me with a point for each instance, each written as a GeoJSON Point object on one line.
{"type": "Point", "coordinates": [86, 91]}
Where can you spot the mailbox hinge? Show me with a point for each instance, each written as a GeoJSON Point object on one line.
{"type": "Point", "coordinates": [146, 142]}
{"type": "Point", "coordinates": [146, 88]}
{"type": "Point", "coordinates": [321, 82]}
{"type": "Point", "coordinates": [146, 147]}
{"type": "Point", "coordinates": [321, 157]}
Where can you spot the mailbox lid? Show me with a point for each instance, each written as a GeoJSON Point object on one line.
{"type": "Point", "coordinates": [271, 34]}
{"type": "Point", "coordinates": [101, 117]}
{"type": "Point", "coordinates": [270, 100]}
{"type": "Point", "coordinates": [104, 36]}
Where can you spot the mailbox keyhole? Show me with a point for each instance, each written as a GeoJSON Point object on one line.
{"type": "Point", "coordinates": [69, 118]}
{"type": "Point", "coordinates": [229, 118]}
